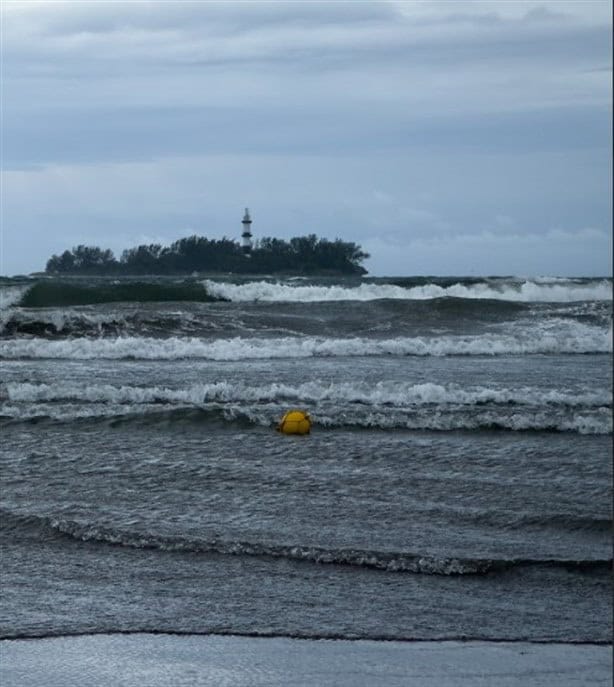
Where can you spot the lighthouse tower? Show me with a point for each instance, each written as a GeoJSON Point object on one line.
{"type": "Point", "coordinates": [246, 236]}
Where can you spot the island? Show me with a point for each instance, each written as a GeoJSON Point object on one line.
{"type": "Point", "coordinates": [301, 255]}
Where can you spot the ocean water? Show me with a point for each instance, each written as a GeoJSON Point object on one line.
{"type": "Point", "coordinates": [457, 482]}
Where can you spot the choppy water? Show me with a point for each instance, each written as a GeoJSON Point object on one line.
{"type": "Point", "coordinates": [457, 481]}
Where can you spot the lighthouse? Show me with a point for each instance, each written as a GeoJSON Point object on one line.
{"type": "Point", "coordinates": [246, 236]}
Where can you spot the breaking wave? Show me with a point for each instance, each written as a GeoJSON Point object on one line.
{"type": "Point", "coordinates": [12, 295]}
{"type": "Point", "coordinates": [570, 337]}
{"type": "Point", "coordinates": [381, 393]}
{"type": "Point", "coordinates": [56, 323]}
{"type": "Point", "coordinates": [596, 421]}
{"type": "Point", "coordinates": [52, 293]}
{"type": "Point", "coordinates": [563, 291]}
{"type": "Point", "coordinates": [387, 561]}
{"type": "Point", "coordinates": [9, 297]}
{"type": "Point", "coordinates": [383, 406]}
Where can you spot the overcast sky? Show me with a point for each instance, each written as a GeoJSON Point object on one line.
{"type": "Point", "coordinates": [461, 137]}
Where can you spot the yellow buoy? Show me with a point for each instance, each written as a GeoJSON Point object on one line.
{"type": "Point", "coordinates": [295, 422]}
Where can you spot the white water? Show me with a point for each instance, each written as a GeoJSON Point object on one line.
{"type": "Point", "coordinates": [382, 393]}
{"type": "Point", "coordinates": [9, 297]}
{"type": "Point", "coordinates": [383, 405]}
{"type": "Point", "coordinates": [527, 291]}
{"type": "Point", "coordinates": [597, 421]}
{"type": "Point", "coordinates": [565, 337]}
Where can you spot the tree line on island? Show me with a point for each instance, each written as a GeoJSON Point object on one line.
{"type": "Point", "coordinates": [300, 255]}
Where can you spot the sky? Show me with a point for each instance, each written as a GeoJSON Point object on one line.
{"type": "Point", "coordinates": [445, 138]}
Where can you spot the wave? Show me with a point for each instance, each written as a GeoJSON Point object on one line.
{"type": "Point", "coordinates": [387, 561]}
{"type": "Point", "coordinates": [597, 422]}
{"type": "Point", "coordinates": [131, 318]}
{"type": "Point", "coordinates": [383, 317]}
{"type": "Point", "coordinates": [571, 338]}
{"type": "Point", "coordinates": [384, 406]}
{"type": "Point", "coordinates": [46, 294]}
{"type": "Point", "coordinates": [395, 393]}
{"type": "Point", "coordinates": [56, 322]}
{"type": "Point", "coordinates": [523, 291]}
{"type": "Point", "coordinates": [52, 323]}
{"type": "Point", "coordinates": [386, 317]}
{"type": "Point", "coordinates": [11, 295]}
{"type": "Point", "coordinates": [51, 293]}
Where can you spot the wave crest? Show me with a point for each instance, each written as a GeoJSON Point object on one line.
{"type": "Point", "coordinates": [383, 405]}
{"type": "Point", "coordinates": [562, 291]}
{"type": "Point", "coordinates": [387, 561]}
{"type": "Point", "coordinates": [398, 394]}
{"type": "Point", "coordinates": [557, 338]}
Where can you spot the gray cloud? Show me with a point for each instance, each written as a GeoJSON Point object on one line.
{"type": "Point", "coordinates": [382, 122]}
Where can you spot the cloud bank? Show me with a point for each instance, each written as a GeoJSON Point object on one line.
{"type": "Point", "coordinates": [444, 138]}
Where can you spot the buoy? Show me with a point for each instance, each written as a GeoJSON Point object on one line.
{"type": "Point", "coordinates": [295, 422]}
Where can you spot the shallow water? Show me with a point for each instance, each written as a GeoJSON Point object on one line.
{"type": "Point", "coordinates": [158, 661]}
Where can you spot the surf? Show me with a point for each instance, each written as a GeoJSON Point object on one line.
{"type": "Point", "coordinates": [527, 291]}
{"type": "Point", "coordinates": [564, 337]}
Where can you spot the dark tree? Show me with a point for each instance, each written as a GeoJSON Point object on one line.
{"type": "Point", "coordinates": [61, 264]}
{"type": "Point", "coordinates": [300, 255]}
{"type": "Point", "coordinates": [83, 260]}
{"type": "Point", "coordinates": [142, 259]}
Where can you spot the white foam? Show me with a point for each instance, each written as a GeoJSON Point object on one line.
{"type": "Point", "coordinates": [9, 296]}
{"type": "Point", "coordinates": [384, 405]}
{"type": "Point", "coordinates": [71, 411]}
{"type": "Point", "coordinates": [565, 337]}
{"type": "Point", "coordinates": [526, 291]}
{"type": "Point", "coordinates": [383, 393]}
{"type": "Point", "coordinates": [441, 419]}
{"type": "Point", "coordinates": [438, 420]}
{"type": "Point", "coordinates": [61, 319]}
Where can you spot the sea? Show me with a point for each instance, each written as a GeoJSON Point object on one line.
{"type": "Point", "coordinates": [456, 483]}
